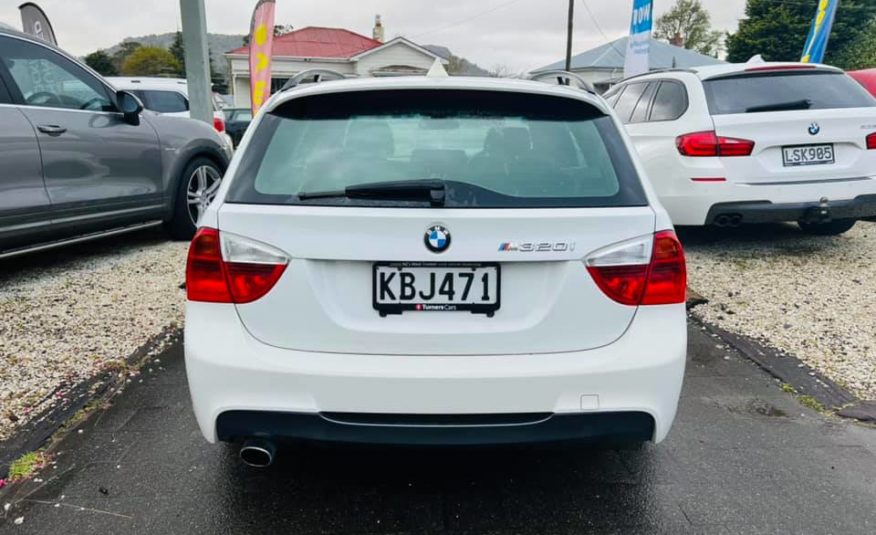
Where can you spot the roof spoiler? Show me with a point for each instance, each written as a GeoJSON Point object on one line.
{"type": "Point", "coordinates": [317, 75]}
{"type": "Point", "coordinates": [563, 78]}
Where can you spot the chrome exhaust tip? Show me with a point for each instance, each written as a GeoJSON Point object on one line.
{"type": "Point", "coordinates": [257, 453]}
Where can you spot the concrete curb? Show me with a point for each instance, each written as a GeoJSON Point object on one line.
{"type": "Point", "coordinates": [40, 430]}
{"type": "Point", "coordinates": [791, 370]}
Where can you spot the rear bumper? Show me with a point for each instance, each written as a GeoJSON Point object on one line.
{"type": "Point", "coordinates": [454, 430]}
{"type": "Point", "coordinates": [627, 389]}
{"type": "Point", "coordinates": [690, 203]}
{"type": "Point", "coordinates": [767, 212]}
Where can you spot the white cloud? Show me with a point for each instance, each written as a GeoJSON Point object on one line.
{"type": "Point", "coordinates": [520, 34]}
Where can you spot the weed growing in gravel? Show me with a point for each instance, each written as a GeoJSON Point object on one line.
{"type": "Point", "coordinates": [26, 465]}
{"type": "Point", "coordinates": [788, 388]}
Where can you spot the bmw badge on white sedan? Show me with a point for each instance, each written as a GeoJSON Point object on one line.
{"type": "Point", "coordinates": [434, 261]}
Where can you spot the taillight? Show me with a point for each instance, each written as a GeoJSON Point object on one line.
{"type": "Point", "coordinates": [700, 144]}
{"type": "Point", "coordinates": [226, 268]}
{"type": "Point", "coordinates": [643, 271]}
{"type": "Point", "coordinates": [218, 124]}
{"type": "Point", "coordinates": [871, 141]}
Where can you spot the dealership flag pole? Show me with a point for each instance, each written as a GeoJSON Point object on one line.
{"type": "Point", "coordinates": [36, 23]}
{"type": "Point", "coordinates": [637, 60]}
{"type": "Point", "coordinates": [261, 41]}
{"type": "Point", "coordinates": [819, 32]}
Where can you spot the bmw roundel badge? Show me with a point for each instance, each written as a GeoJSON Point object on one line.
{"type": "Point", "coordinates": [814, 129]}
{"type": "Point", "coordinates": [437, 239]}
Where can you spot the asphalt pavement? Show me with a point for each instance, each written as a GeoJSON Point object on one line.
{"type": "Point", "coordinates": [743, 457]}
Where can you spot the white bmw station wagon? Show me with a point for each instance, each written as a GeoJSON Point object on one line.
{"type": "Point", "coordinates": [434, 260]}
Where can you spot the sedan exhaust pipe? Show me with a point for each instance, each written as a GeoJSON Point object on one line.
{"type": "Point", "coordinates": [728, 220]}
{"type": "Point", "coordinates": [257, 453]}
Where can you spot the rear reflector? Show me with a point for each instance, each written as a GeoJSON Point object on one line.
{"type": "Point", "coordinates": [704, 144]}
{"type": "Point", "coordinates": [218, 124]}
{"type": "Point", "coordinates": [871, 141]}
{"type": "Point", "coordinates": [709, 179]}
{"type": "Point", "coordinates": [231, 269]}
{"type": "Point", "coordinates": [646, 271]}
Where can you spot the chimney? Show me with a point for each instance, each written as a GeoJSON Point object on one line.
{"type": "Point", "coordinates": [377, 34]}
{"type": "Point", "coordinates": [677, 40]}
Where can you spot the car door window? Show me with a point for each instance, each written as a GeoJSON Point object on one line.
{"type": "Point", "coordinates": [670, 102]}
{"type": "Point", "coordinates": [4, 94]}
{"type": "Point", "coordinates": [165, 101]}
{"type": "Point", "coordinates": [640, 112]}
{"type": "Point", "coordinates": [47, 79]}
{"type": "Point", "coordinates": [628, 100]}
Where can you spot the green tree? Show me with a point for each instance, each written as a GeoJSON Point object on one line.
{"type": "Point", "coordinates": [150, 61]}
{"type": "Point", "coordinates": [102, 63]}
{"type": "Point", "coordinates": [690, 21]}
{"type": "Point", "coordinates": [178, 50]}
{"type": "Point", "coordinates": [861, 53]}
{"type": "Point", "coordinates": [777, 30]}
{"type": "Point", "coordinates": [125, 50]}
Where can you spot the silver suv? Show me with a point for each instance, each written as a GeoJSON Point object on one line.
{"type": "Point", "coordinates": [79, 160]}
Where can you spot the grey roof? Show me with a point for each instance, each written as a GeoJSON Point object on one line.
{"type": "Point", "coordinates": [611, 56]}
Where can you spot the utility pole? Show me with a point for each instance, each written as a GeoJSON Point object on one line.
{"type": "Point", "coordinates": [569, 35]}
{"type": "Point", "coordinates": [194, 30]}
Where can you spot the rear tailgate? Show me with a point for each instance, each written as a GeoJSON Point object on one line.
{"type": "Point", "coordinates": [808, 123]}
{"type": "Point", "coordinates": [839, 135]}
{"type": "Point", "coordinates": [324, 301]}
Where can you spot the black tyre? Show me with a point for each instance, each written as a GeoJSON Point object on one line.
{"type": "Point", "coordinates": [830, 228]}
{"type": "Point", "coordinates": [197, 187]}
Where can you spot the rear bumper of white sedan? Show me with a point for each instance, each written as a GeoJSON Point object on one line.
{"type": "Point", "coordinates": [626, 391]}
{"type": "Point", "coordinates": [705, 203]}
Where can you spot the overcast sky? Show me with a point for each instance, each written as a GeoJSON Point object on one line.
{"type": "Point", "coordinates": [519, 34]}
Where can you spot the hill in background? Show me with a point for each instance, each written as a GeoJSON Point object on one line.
{"type": "Point", "coordinates": [219, 44]}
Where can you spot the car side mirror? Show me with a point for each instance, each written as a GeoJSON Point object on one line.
{"type": "Point", "coordinates": [130, 106]}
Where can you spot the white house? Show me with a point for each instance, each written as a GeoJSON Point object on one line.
{"type": "Point", "coordinates": [331, 48]}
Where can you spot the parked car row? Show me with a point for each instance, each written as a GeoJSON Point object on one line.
{"type": "Point", "coordinates": [80, 159]}
{"type": "Point", "coordinates": [429, 259]}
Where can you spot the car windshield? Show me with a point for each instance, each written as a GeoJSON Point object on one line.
{"type": "Point", "coordinates": [496, 149]}
{"type": "Point", "coordinates": [784, 91]}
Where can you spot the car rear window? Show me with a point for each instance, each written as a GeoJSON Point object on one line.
{"type": "Point", "coordinates": [494, 150]}
{"type": "Point", "coordinates": [768, 91]}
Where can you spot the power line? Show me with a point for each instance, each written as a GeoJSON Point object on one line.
{"type": "Point", "coordinates": [599, 29]}
{"type": "Point", "coordinates": [463, 21]}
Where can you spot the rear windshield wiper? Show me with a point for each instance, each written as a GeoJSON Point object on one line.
{"type": "Point", "coordinates": [803, 104]}
{"type": "Point", "coordinates": [430, 190]}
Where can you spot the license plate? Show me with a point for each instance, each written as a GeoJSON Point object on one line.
{"type": "Point", "coordinates": [807, 155]}
{"type": "Point", "coordinates": [436, 287]}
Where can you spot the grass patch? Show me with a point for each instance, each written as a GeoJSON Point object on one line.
{"type": "Point", "coordinates": [26, 465]}
{"type": "Point", "coordinates": [811, 402]}
{"type": "Point", "coordinates": [788, 388]}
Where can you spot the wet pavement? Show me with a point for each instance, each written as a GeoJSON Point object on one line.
{"type": "Point", "coordinates": [743, 457]}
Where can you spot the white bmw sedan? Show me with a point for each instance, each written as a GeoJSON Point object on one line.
{"type": "Point", "coordinates": [434, 261]}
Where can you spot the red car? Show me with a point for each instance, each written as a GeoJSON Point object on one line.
{"type": "Point", "coordinates": [866, 78]}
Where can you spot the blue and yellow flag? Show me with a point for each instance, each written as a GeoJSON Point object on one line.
{"type": "Point", "coordinates": [819, 33]}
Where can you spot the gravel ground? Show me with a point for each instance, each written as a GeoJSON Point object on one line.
{"type": "Point", "coordinates": [813, 297]}
{"type": "Point", "coordinates": [69, 314]}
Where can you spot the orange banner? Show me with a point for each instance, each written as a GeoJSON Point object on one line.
{"type": "Point", "coordinates": [261, 41]}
